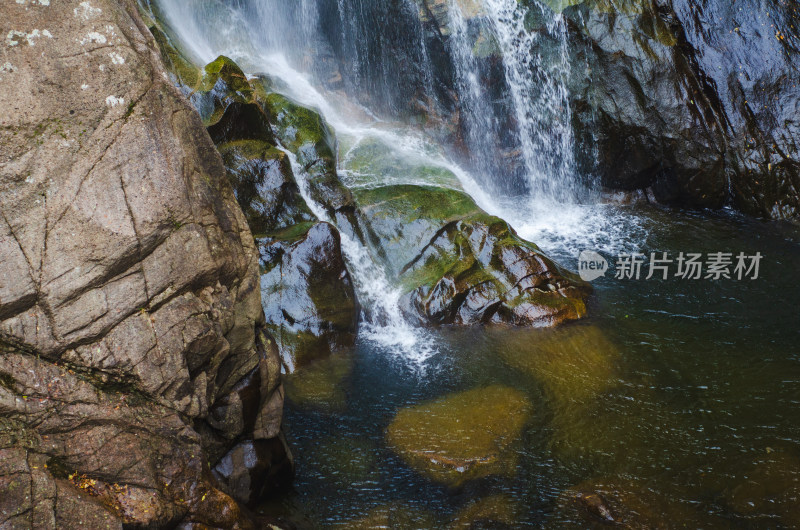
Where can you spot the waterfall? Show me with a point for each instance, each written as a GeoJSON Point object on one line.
{"type": "Point", "coordinates": [354, 60]}
{"type": "Point", "coordinates": [516, 129]}
{"type": "Point", "coordinates": [537, 66]}
{"type": "Point", "coordinates": [480, 122]}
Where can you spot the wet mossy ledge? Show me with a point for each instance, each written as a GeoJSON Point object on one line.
{"type": "Point", "coordinates": [454, 263]}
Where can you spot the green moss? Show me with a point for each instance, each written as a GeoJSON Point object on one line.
{"type": "Point", "coordinates": [185, 72]}
{"type": "Point", "coordinates": [462, 436]}
{"type": "Point", "coordinates": [293, 232]}
{"type": "Point", "coordinates": [225, 69]}
{"type": "Point", "coordinates": [370, 162]}
{"type": "Point", "coordinates": [408, 203]}
{"type": "Point", "coordinates": [300, 127]}
{"type": "Point", "coordinates": [251, 150]}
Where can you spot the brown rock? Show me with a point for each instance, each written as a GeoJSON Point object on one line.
{"type": "Point", "coordinates": [130, 312]}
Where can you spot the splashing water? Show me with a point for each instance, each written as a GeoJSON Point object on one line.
{"type": "Point", "coordinates": [552, 211]}
{"type": "Point", "coordinates": [385, 324]}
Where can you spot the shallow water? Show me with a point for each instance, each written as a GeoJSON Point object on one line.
{"type": "Point", "coordinates": [679, 397]}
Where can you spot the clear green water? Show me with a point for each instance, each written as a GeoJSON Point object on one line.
{"type": "Point", "coordinates": [677, 400]}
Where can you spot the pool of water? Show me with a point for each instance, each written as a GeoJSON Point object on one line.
{"type": "Point", "coordinates": [677, 401]}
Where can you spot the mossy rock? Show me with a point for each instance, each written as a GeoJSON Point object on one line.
{"type": "Point", "coordinates": [322, 384]}
{"type": "Point", "coordinates": [241, 121]}
{"type": "Point", "coordinates": [574, 363]}
{"type": "Point", "coordinates": [224, 69]}
{"type": "Point", "coordinates": [301, 129]}
{"type": "Point", "coordinates": [458, 265]}
{"type": "Point", "coordinates": [626, 503]}
{"type": "Point", "coordinates": [223, 83]}
{"type": "Point", "coordinates": [370, 162]}
{"type": "Point", "coordinates": [646, 20]}
{"type": "Point", "coordinates": [404, 218]}
{"type": "Point", "coordinates": [462, 436]}
{"type": "Point", "coordinates": [769, 486]}
{"type": "Point", "coordinates": [497, 511]}
{"type": "Point", "coordinates": [184, 71]}
{"type": "Point", "coordinates": [305, 133]}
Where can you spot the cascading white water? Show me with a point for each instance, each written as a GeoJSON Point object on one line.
{"type": "Point", "coordinates": [539, 94]}
{"type": "Point", "coordinates": [476, 108]}
{"type": "Point", "coordinates": [254, 33]}
{"type": "Point", "coordinates": [386, 324]}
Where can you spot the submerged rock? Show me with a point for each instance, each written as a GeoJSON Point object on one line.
{"type": "Point", "coordinates": [625, 503]}
{"type": "Point", "coordinates": [497, 512]}
{"type": "Point", "coordinates": [769, 486]}
{"type": "Point", "coordinates": [575, 363]}
{"type": "Point", "coordinates": [462, 436]}
{"type": "Point", "coordinates": [321, 384]}
{"type": "Point", "coordinates": [577, 368]}
{"type": "Point", "coordinates": [346, 461]}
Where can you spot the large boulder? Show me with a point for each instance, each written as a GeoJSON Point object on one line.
{"type": "Point", "coordinates": [458, 265]}
{"type": "Point", "coordinates": [307, 293]}
{"type": "Point", "coordinates": [134, 349]}
{"type": "Point", "coordinates": [698, 102]}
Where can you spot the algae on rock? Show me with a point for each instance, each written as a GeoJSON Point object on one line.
{"type": "Point", "coordinates": [463, 436]}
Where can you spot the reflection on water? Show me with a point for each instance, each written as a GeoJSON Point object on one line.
{"type": "Point", "coordinates": [676, 404]}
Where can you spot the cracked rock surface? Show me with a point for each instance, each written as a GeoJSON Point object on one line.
{"type": "Point", "coordinates": [133, 353]}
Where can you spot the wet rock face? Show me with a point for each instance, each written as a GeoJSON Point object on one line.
{"type": "Point", "coordinates": [130, 316]}
{"type": "Point", "coordinates": [264, 185]}
{"type": "Point", "coordinates": [308, 295]}
{"type": "Point", "coordinates": [620, 502]}
{"type": "Point", "coordinates": [698, 102]}
{"type": "Point", "coordinates": [459, 265]}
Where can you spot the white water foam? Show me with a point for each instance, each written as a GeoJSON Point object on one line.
{"type": "Point", "coordinates": [547, 217]}
{"type": "Point", "coordinates": [385, 324]}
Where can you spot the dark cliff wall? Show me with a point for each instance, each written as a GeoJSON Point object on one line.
{"type": "Point", "coordinates": [697, 99]}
